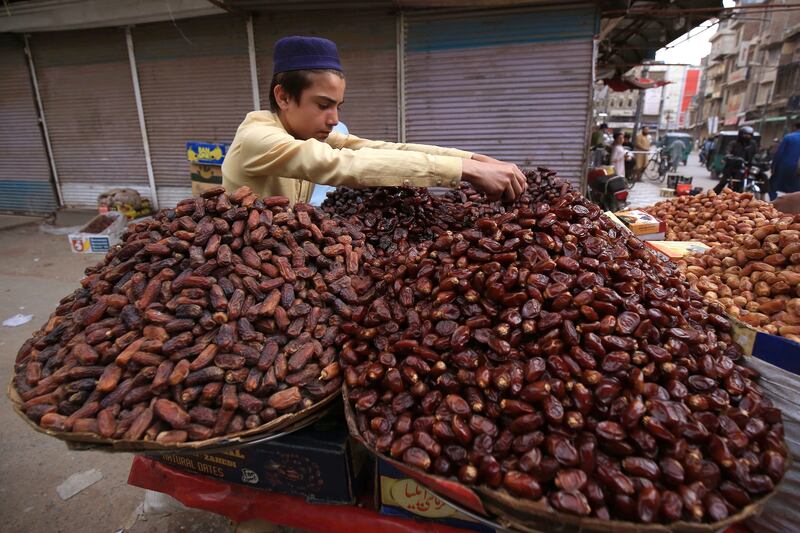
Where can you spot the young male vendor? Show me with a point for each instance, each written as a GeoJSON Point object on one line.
{"type": "Point", "coordinates": [286, 150]}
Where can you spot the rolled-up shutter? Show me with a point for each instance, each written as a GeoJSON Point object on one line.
{"type": "Point", "coordinates": [194, 76]}
{"type": "Point", "coordinates": [366, 40]}
{"type": "Point", "coordinates": [25, 181]}
{"type": "Point", "coordinates": [87, 95]}
{"type": "Point", "coordinates": [513, 84]}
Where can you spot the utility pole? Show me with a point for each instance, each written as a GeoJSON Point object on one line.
{"type": "Point", "coordinates": [661, 105]}
{"type": "Point", "coordinates": [637, 121]}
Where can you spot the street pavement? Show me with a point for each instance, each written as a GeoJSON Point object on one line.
{"type": "Point", "coordinates": [646, 193]}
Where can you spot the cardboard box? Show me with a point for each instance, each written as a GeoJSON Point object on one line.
{"type": "Point", "coordinates": [205, 164]}
{"type": "Point", "coordinates": [204, 177]}
{"type": "Point", "coordinates": [405, 497]}
{"type": "Point", "coordinates": [98, 237]}
{"type": "Point", "coordinates": [317, 463]}
{"type": "Point", "coordinates": [204, 153]}
{"type": "Point", "coordinates": [616, 220]}
{"type": "Point", "coordinates": [643, 225]}
{"type": "Point", "coordinates": [678, 249]}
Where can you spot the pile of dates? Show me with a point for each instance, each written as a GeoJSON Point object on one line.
{"type": "Point", "coordinates": [395, 217]}
{"type": "Point", "coordinates": [714, 219]}
{"type": "Point", "coordinates": [546, 354]}
{"type": "Point", "coordinates": [757, 278]}
{"type": "Point", "coordinates": [214, 317]}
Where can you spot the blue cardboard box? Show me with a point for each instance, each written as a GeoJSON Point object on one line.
{"type": "Point", "coordinates": [317, 463]}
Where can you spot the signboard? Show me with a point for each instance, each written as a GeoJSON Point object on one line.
{"type": "Point", "coordinates": [652, 101]}
{"type": "Point", "coordinates": [690, 83]}
{"type": "Point", "coordinates": [733, 107]}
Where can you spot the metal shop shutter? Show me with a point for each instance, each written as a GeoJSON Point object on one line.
{"type": "Point", "coordinates": [25, 184]}
{"type": "Point", "coordinates": [515, 85]}
{"type": "Point", "coordinates": [367, 43]}
{"type": "Point", "coordinates": [87, 95]}
{"type": "Point", "coordinates": [194, 76]}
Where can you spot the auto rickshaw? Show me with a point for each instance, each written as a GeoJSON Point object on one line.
{"type": "Point", "coordinates": [715, 161]}
{"type": "Point", "coordinates": [672, 136]}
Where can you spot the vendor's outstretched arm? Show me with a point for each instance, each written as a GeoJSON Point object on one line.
{"type": "Point", "coordinates": [273, 153]}
{"type": "Point", "coordinates": [340, 140]}
{"type": "Point", "coordinates": [514, 184]}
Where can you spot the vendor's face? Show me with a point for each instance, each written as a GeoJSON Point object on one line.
{"type": "Point", "coordinates": [317, 112]}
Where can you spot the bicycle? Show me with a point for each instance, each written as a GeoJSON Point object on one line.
{"type": "Point", "coordinates": [658, 166]}
{"type": "Point", "coordinates": [635, 175]}
{"type": "Point", "coordinates": [652, 169]}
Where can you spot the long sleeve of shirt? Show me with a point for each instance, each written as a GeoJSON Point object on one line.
{"type": "Point", "coordinates": [338, 140]}
{"type": "Point", "coordinates": [265, 157]}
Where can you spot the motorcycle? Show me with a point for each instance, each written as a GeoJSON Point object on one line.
{"type": "Point", "coordinates": [606, 188]}
{"type": "Point", "coordinates": [752, 177]}
{"type": "Point", "coordinates": [757, 180]}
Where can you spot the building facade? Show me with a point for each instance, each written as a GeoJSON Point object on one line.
{"type": "Point", "coordinates": [752, 75]}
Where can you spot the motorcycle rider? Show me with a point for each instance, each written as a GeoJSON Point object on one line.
{"type": "Point", "coordinates": [743, 147]}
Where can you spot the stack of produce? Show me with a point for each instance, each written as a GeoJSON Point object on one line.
{"type": "Point", "coordinates": [215, 317]}
{"type": "Point", "coordinates": [712, 218]}
{"type": "Point", "coordinates": [532, 350]}
{"type": "Point", "coordinates": [756, 278]}
{"type": "Point", "coordinates": [753, 267]}
{"type": "Point", "coordinates": [546, 355]}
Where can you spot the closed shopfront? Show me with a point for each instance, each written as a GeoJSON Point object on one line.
{"type": "Point", "coordinates": [195, 81]}
{"type": "Point", "coordinates": [88, 100]}
{"type": "Point", "coordinates": [512, 84]}
{"type": "Point", "coordinates": [25, 181]}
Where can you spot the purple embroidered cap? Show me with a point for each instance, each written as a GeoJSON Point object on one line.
{"type": "Point", "coordinates": [305, 53]}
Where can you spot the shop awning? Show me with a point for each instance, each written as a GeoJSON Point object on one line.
{"type": "Point", "coordinates": [632, 35]}
{"type": "Point", "coordinates": [632, 83]}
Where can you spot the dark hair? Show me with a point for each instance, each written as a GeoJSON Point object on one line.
{"type": "Point", "coordinates": [603, 126]}
{"type": "Point", "coordinates": [294, 82]}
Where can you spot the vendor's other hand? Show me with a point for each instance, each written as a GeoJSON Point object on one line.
{"type": "Point", "coordinates": [494, 178]}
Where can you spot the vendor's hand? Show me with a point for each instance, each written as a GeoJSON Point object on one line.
{"type": "Point", "coordinates": [517, 172]}
{"type": "Point", "coordinates": [495, 179]}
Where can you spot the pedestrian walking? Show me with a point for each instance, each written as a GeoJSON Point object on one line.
{"type": "Point", "coordinates": [642, 144]}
